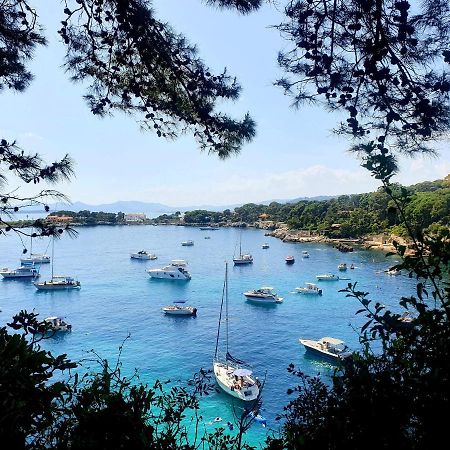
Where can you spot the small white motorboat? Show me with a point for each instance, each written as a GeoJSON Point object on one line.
{"type": "Point", "coordinates": [178, 309]}
{"type": "Point", "coordinates": [327, 277]}
{"type": "Point", "coordinates": [342, 267]}
{"type": "Point", "coordinates": [58, 283]}
{"type": "Point", "coordinates": [265, 246]}
{"type": "Point", "coordinates": [264, 295]}
{"type": "Point", "coordinates": [24, 271]}
{"type": "Point", "coordinates": [305, 254]}
{"type": "Point", "coordinates": [187, 243]}
{"type": "Point", "coordinates": [393, 272]}
{"type": "Point", "coordinates": [143, 254]}
{"type": "Point", "coordinates": [57, 324]}
{"type": "Point", "coordinates": [327, 347]}
{"type": "Point", "coordinates": [309, 289]}
{"type": "Point", "coordinates": [211, 228]}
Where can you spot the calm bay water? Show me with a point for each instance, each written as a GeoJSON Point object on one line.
{"type": "Point", "coordinates": [117, 297]}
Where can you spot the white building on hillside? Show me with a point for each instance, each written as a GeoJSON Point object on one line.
{"type": "Point", "coordinates": [135, 217]}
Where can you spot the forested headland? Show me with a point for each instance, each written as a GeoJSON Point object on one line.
{"type": "Point", "coordinates": [427, 206]}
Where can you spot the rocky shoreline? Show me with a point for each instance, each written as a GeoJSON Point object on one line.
{"type": "Point", "coordinates": [381, 242]}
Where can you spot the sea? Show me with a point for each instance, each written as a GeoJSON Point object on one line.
{"type": "Point", "coordinates": [117, 298]}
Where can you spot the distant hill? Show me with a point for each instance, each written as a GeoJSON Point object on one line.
{"type": "Point", "coordinates": [150, 209]}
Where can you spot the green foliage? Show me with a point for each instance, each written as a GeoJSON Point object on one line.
{"type": "Point", "coordinates": [86, 217]}
{"type": "Point", "coordinates": [395, 392]}
{"type": "Point", "coordinates": [137, 64]}
{"type": "Point", "coordinates": [356, 214]}
{"type": "Point", "coordinates": [202, 216]}
{"type": "Point", "coordinates": [100, 408]}
{"type": "Point", "coordinates": [383, 63]}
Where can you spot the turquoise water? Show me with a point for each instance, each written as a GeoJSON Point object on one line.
{"type": "Point", "coordinates": [117, 297]}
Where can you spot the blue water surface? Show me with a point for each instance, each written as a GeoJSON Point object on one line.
{"type": "Point", "coordinates": [117, 297]}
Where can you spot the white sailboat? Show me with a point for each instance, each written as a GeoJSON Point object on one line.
{"type": "Point", "coordinates": [57, 282]}
{"type": "Point", "coordinates": [242, 259]}
{"type": "Point", "coordinates": [232, 375]}
{"type": "Point", "coordinates": [35, 258]}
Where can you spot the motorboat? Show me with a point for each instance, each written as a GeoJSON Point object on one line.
{"type": "Point", "coordinates": [24, 271]}
{"type": "Point", "coordinates": [328, 348]}
{"type": "Point", "coordinates": [57, 324]}
{"type": "Point", "coordinates": [305, 254]}
{"type": "Point", "coordinates": [209, 228]}
{"type": "Point", "coordinates": [327, 277]}
{"type": "Point", "coordinates": [265, 246]}
{"type": "Point", "coordinates": [143, 254]}
{"type": "Point", "coordinates": [187, 243]}
{"type": "Point", "coordinates": [290, 260]}
{"type": "Point", "coordinates": [233, 376]}
{"type": "Point", "coordinates": [207, 237]}
{"type": "Point", "coordinates": [342, 267]}
{"type": "Point", "coordinates": [58, 283]}
{"type": "Point", "coordinates": [174, 271]}
{"type": "Point", "coordinates": [392, 272]}
{"type": "Point", "coordinates": [309, 289]}
{"type": "Point", "coordinates": [36, 258]}
{"type": "Point", "coordinates": [264, 295]}
{"type": "Point", "coordinates": [178, 309]}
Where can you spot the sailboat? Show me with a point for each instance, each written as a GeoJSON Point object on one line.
{"type": "Point", "coordinates": [242, 259]}
{"type": "Point", "coordinates": [233, 375]}
{"type": "Point", "coordinates": [35, 258]}
{"type": "Point", "coordinates": [57, 282]}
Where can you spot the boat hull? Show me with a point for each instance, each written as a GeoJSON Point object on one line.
{"type": "Point", "coordinates": [168, 276]}
{"type": "Point", "coordinates": [180, 312]}
{"type": "Point", "coordinates": [242, 262]}
{"type": "Point", "coordinates": [12, 275]}
{"type": "Point", "coordinates": [263, 300]}
{"type": "Point", "coordinates": [324, 354]}
{"type": "Point", "coordinates": [145, 257]}
{"type": "Point", "coordinates": [48, 286]}
{"type": "Point", "coordinates": [245, 394]}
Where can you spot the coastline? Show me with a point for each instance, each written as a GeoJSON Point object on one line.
{"type": "Point", "coordinates": [381, 242]}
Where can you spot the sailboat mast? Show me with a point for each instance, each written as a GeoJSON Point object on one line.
{"type": "Point", "coordinates": [220, 315]}
{"type": "Point", "coordinates": [226, 302]}
{"type": "Point", "coordinates": [31, 243]}
{"type": "Point", "coordinates": [53, 253]}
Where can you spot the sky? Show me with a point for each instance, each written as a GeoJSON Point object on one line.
{"type": "Point", "coordinates": [294, 154]}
